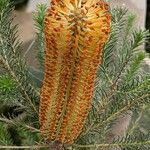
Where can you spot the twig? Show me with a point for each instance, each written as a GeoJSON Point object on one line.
{"type": "Point", "coordinates": [112, 145]}
{"type": "Point", "coordinates": [8, 121]}
{"type": "Point", "coordinates": [93, 126]}
{"type": "Point", "coordinates": [130, 132]}
{"type": "Point", "coordinates": [16, 79]}
{"type": "Point", "coordinates": [32, 128]}
{"type": "Point", "coordinates": [28, 49]}
{"type": "Point", "coordinates": [25, 147]}
{"type": "Point", "coordinates": [121, 111]}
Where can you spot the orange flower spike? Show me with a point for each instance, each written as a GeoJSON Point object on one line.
{"type": "Point", "coordinates": [75, 34]}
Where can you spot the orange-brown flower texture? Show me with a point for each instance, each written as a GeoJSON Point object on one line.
{"type": "Point", "coordinates": [75, 34]}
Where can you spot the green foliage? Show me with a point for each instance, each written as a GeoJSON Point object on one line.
{"type": "Point", "coordinates": [122, 85]}
{"type": "Point", "coordinates": [28, 137]}
{"type": "Point", "coordinates": [6, 84]}
{"type": "Point", "coordinates": [10, 57]}
{"type": "Point", "coordinates": [2, 4]}
{"type": "Point", "coordinates": [23, 98]}
{"type": "Point", "coordinates": [5, 138]}
{"type": "Point", "coordinates": [126, 143]}
{"type": "Point", "coordinates": [135, 66]}
{"type": "Point", "coordinates": [38, 17]}
{"type": "Point", "coordinates": [8, 91]}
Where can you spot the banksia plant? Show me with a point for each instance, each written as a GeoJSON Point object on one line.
{"type": "Point", "coordinates": [92, 93]}
{"type": "Point", "coordinates": [75, 34]}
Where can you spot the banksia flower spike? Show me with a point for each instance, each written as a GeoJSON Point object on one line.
{"type": "Point", "coordinates": [75, 34]}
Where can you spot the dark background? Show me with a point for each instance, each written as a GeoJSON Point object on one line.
{"type": "Point", "coordinates": [148, 24]}
{"type": "Point", "coordinates": [19, 3]}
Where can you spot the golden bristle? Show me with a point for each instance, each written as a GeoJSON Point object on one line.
{"type": "Point", "coordinates": [75, 34]}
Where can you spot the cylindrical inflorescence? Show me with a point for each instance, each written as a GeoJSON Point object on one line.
{"type": "Point", "coordinates": [75, 34]}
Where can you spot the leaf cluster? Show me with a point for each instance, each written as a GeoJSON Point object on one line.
{"type": "Point", "coordinates": [121, 88]}
{"type": "Point", "coordinates": [19, 97]}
